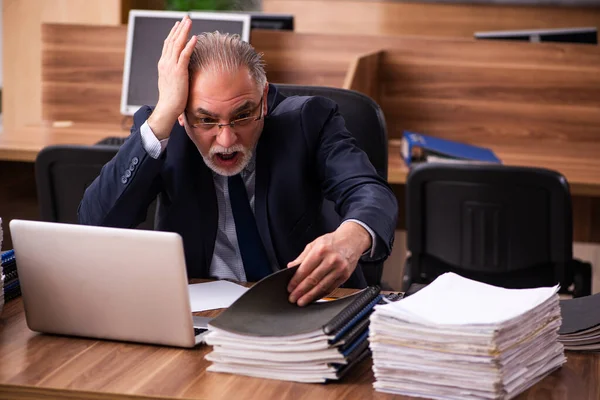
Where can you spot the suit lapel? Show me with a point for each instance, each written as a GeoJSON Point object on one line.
{"type": "Point", "coordinates": [261, 207]}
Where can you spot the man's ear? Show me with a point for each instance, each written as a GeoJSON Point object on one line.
{"type": "Point", "coordinates": [181, 120]}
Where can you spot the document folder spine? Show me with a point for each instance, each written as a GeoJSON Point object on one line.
{"type": "Point", "coordinates": [362, 340]}
{"type": "Point", "coordinates": [360, 315]}
{"type": "Point", "coordinates": [339, 321]}
{"type": "Point", "coordinates": [7, 256]}
{"type": "Point", "coordinates": [349, 337]}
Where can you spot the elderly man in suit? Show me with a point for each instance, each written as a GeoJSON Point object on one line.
{"type": "Point", "coordinates": [241, 172]}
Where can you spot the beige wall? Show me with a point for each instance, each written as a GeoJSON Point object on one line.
{"type": "Point", "coordinates": [21, 62]}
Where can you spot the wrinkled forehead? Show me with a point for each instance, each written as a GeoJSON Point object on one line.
{"type": "Point", "coordinates": [222, 92]}
{"type": "Point", "coordinates": [216, 77]}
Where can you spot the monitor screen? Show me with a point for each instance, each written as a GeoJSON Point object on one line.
{"type": "Point", "coordinates": [566, 35]}
{"type": "Point", "coordinates": [278, 22]}
{"type": "Point", "coordinates": [146, 33]}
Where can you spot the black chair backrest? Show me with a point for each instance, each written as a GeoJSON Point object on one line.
{"type": "Point", "coordinates": [62, 173]}
{"type": "Point", "coordinates": [504, 225]}
{"type": "Point", "coordinates": [365, 121]}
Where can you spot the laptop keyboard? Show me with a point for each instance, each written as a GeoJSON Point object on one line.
{"type": "Point", "coordinates": [198, 331]}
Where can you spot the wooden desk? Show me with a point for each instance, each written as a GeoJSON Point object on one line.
{"type": "Point", "coordinates": [578, 162]}
{"type": "Point", "coordinates": [34, 366]}
{"type": "Point", "coordinates": [24, 144]}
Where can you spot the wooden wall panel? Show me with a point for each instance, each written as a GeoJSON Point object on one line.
{"type": "Point", "coordinates": [21, 32]}
{"type": "Point", "coordinates": [82, 75]}
{"type": "Point", "coordinates": [468, 90]}
{"type": "Point", "coordinates": [83, 67]}
{"type": "Point", "coordinates": [308, 59]}
{"type": "Point", "coordinates": [458, 89]}
{"type": "Point", "coordinates": [363, 75]}
{"type": "Point", "coordinates": [377, 17]}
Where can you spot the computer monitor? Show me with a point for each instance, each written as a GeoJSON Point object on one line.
{"type": "Point", "coordinates": [278, 22]}
{"type": "Point", "coordinates": [146, 33]}
{"type": "Point", "coordinates": [271, 21]}
{"type": "Point", "coordinates": [587, 35]}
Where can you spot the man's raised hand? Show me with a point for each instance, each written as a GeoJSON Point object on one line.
{"type": "Point", "coordinates": [173, 80]}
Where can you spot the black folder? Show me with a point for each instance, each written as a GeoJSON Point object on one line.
{"type": "Point", "coordinates": [265, 311]}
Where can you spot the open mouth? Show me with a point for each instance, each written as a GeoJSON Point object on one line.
{"type": "Point", "coordinates": [227, 158]}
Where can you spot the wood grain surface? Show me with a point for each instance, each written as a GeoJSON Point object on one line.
{"type": "Point", "coordinates": [535, 105]}
{"type": "Point", "coordinates": [429, 18]}
{"type": "Point", "coordinates": [39, 366]}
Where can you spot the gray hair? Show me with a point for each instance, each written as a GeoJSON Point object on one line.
{"type": "Point", "coordinates": [226, 53]}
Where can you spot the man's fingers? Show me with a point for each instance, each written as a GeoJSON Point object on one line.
{"type": "Point", "coordinates": [182, 36]}
{"type": "Point", "coordinates": [184, 58]}
{"type": "Point", "coordinates": [330, 282]}
{"type": "Point", "coordinates": [169, 40]}
{"type": "Point", "coordinates": [172, 50]}
{"type": "Point", "coordinates": [301, 257]}
{"type": "Point", "coordinates": [310, 273]}
{"type": "Point", "coordinates": [299, 275]}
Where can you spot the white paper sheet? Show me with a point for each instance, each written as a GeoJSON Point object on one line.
{"type": "Point", "coordinates": [213, 295]}
{"type": "Point", "coordinates": [454, 300]}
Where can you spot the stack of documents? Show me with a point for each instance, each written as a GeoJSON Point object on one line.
{"type": "Point", "coordinates": [263, 335]}
{"type": "Point", "coordinates": [462, 339]}
{"type": "Point", "coordinates": [580, 329]}
{"type": "Point", "coordinates": [10, 278]}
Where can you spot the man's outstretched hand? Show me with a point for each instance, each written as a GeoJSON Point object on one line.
{"type": "Point", "coordinates": [327, 262]}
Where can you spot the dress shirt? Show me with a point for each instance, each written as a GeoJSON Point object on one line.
{"type": "Point", "coordinates": [227, 262]}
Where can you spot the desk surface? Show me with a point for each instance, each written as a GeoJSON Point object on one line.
{"type": "Point", "coordinates": [578, 161]}
{"type": "Point", "coordinates": [34, 366]}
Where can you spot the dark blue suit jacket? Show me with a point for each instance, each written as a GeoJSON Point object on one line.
{"type": "Point", "coordinates": [304, 154]}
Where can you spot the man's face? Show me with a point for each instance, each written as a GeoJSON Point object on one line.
{"type": "Point", "coordinates": [220, 98]}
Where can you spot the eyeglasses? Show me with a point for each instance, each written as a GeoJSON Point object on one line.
{"type": "Point", "coordinates": [244, 119]}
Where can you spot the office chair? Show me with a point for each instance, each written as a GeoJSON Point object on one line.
{"type": "Point", "coordinates": [63, 172]}
{"type": "Point", "coordinates": [503, 225]}
{"type": "Point", "coordinates": [365, 121]}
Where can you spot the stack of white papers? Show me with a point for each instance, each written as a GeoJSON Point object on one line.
{"type": "Point", "coordinates": [462, 339]}
{"type": "Point", "coordinates": [263, 335]}
{"type": "Point", "coordinates": [300, 358]}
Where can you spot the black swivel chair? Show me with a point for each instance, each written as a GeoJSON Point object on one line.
{"type": "Point", "coordinates": [503, 225]}
{"type": "Point", "coordinates": [63, 172]}
{"type": "Point", "coordinates": [365, 120]}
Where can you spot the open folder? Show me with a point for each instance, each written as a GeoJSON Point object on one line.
{"type": "Point", "coordinates": [262, 334]}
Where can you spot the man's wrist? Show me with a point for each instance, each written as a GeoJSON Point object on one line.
{"type": "Point", "coordinates": [360, 234]}
{"type": "Point", "coordinates": [160, 124]}
{"type": "Point", "coordinates": [369, 252]}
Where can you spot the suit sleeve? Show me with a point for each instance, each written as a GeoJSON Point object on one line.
{"type": "Point", "coordinates": [347, 176]}
{"type": "Point", "coordinates": [121, 194]}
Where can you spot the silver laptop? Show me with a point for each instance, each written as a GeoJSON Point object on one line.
{"type": "Point", "coordinates": [106, 283]}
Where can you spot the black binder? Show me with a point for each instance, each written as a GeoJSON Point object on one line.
{"type": "Point", "coordinates": [265, 311]}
